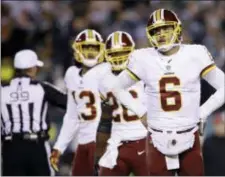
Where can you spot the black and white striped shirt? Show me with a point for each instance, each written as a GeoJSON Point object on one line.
{"type": "Point", "coordinates": [24, 104]}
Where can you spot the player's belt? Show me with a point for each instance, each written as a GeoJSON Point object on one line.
{"type": "Point", "coordinates": [133, 141]}
{"type": "Point", "coordinates": [178, 132]}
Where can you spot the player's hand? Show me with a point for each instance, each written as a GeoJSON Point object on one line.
{"type": "Point", "coordinates": [54, 159]}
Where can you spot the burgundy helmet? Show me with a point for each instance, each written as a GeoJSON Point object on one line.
{"type": "Point", "coordinates": [160, 18]}
{"type": "Point", "coordinates": [88, 47]}
{"type": "Point", "coordinates": [118, 46]}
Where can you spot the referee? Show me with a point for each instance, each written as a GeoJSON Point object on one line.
{"type": "Point", "coordinates": [24, 122]}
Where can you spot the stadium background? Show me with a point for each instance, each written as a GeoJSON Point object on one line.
{"type": "Point", "coordinates": [49, 27]}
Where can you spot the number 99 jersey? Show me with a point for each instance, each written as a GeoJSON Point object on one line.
{"type": "Point", "coordinates": [86, 99]}
{"type": "Point", "coordinates": [173, 84]}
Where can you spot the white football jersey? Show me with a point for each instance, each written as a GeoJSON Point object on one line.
{"type": "Point", "coordinates": [125, 123]}
{"type": "Point", "coordinates": [172, 84]}
{"type": "Point", "coordinates": [86, 96]}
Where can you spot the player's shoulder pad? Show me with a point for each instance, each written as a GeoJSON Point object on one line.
{"type": "Point", "coordinates": [140, 52]}
{"type": "Point", "coordinates": [103, 68]}
{"type": "Point", "coordinates": [200, 51]}
{"type": "Point", "coordinates": [138, 56]}
{"type": "Point", "coordinates": [201, 48]}
{"type": "Point", "coordinates": [195, 48]}
{"type": "Point", "coordinates": [71, 72]}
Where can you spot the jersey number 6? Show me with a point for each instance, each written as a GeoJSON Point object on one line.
{"type": "Point", "coordinates": [170, 99]}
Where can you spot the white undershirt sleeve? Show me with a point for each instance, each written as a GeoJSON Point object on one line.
{"type": "Point", "coordinates": [215, 78]}
{"type": "Point", "coordinates": [69, 127]}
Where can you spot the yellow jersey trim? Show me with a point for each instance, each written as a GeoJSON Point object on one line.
{"type": "Point", "coordinates": [207, 69]}
{"type": "Point", "coordinates": [132, 75]}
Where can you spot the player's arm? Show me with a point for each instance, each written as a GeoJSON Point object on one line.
{"type": "Point", "coordinates": [215, 77]}
{"type": "Point", "coordinates": [126, 79]}
{"type": "Point", "coordinates": [67, 132]}
{"type": "Point", "coordinates": [122, 82]}
{"type": "Point", "coordinates": [142, 96]}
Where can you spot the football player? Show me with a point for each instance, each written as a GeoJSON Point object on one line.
{"type": "Point", "coordinates": [172, 72]}
{"type": "Point", "coordinates": [84, 103]}
{"type": "Point", "coordinates": [125, 152]}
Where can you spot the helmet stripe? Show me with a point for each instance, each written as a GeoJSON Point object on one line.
{"type": "Point", "coordinates": [154, 17]}
{"type": "Point", "coordinates": [116, 38]}
{"type": "Point", "coordinates": [158, 14]}
{"type": "Point", "coordinates": [111, 39]}
{"type": "Point", "coordinates": [90, 34]}
{"type": "Point", "coordinates": [120, 38]}
{"type": "Point", "coordinates": [162, 14]}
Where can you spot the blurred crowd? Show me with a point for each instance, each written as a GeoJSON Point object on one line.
{"type": "Point", "coordinates": [49, 28]}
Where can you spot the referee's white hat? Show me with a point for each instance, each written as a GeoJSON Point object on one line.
{"type": "Point", "coordinates": [25, 59]}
